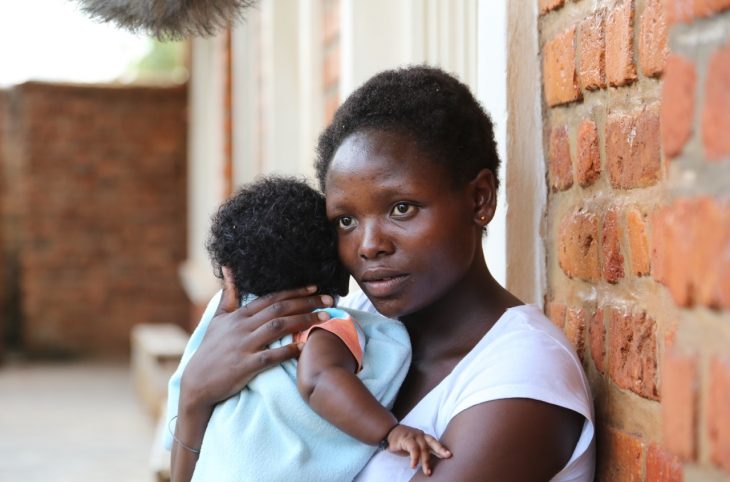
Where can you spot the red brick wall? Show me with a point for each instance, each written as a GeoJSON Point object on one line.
{"type": "Point", "coordinates": [638, 236]}
{"type": "Point", "coordinates": [10, 226]}
{"type": "Point", "coordinates": [100, 193]}
{"type": "Point", "coordinates": [3, 259]}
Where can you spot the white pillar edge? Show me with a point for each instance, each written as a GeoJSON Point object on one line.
{"type": "Point", "coordinates": [525, 182]}
{"type": "Point", "coordinates": [205, 163]}
{"type": "Point", "coordinates": [491, 91]}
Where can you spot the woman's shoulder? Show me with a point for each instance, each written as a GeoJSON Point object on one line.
{"type": "Point", "coordinates": [523, 356]}
{"type": "Point", "coordinates": [525, 335]}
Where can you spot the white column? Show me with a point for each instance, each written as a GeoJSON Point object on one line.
{"type": "Point", "coordinates": [492, 93]}
{"type": "Point", "coordinates": [311, 111]}
{"type": "Point", "coordinates": [525, 182]}
{"type": "Point", "coordinates": [372, 39]}
{"type": "Point", "coordinates": [279, 28]}
{"type": "Point", "coordinates": [205, 162]}
{"type": "Point", "coordinates": [245, 59]}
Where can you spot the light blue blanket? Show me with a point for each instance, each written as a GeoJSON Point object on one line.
{"type": "Point", "coordinates": [268, 433]}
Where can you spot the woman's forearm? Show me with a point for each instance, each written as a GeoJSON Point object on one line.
{"type": "Point", "coordinates": [189, 430]}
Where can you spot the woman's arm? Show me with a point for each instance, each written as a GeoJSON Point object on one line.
{"type": "Point", "coordinates": [515, 439]}
{"type": "Point", "coordinates": [232, 352]}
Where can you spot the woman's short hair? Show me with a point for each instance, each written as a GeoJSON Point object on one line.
{"type": "Point", "coordinates": [427, 104]}
{"type": "Point", "coordinates": [274, 235]}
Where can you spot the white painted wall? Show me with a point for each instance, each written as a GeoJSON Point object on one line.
{"type": "Point", "coordinates": [205, 162]}
{"type": "Point", "coordinates": [525, 182]}
{"type": "Point", "coordinates": [492, 93]}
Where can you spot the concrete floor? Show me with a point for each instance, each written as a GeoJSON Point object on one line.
{"type": "Point", "coordinates": [72, 422]}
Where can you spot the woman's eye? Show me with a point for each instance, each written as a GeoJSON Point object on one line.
{"type": "Point", "coordinates": [402, 209]}
{"type": "Point", "coordinates": [345, 222]}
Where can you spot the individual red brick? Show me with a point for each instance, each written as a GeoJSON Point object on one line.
{"type": "Point", "coordinates": [612, 261]}
{"type": "Point", "coordinates": [690, 251]}
{"type": "Point", "coordinates": [578, 246]}
{"type": "Point", "coordinates": [653, 34]}
{"type": "Point", "coordinates": [556, 313]}
{"type": "Point", "coordinates": [709, 232]}
{"type": "Point", "coordinates": [575, 323]}
{"type": "Point", "coordinates": [619, 456]}
{"type": "Point", "coordinates": [558, 69]}
{"type": "Point", "coordinates": [633, 154]}
{"type": "Point", "coordinates": [560, 167]}
{"type": "Point", "coordinates": [638, 242]}
{"type": "Point", "coordinates": [671, 250]}
{"type": "Point", "coordinates": [677, 108]}
{"type": "Point", "coordinates": [679, 404]}
{"type": "Point", "coordinates": [662, 466]}
{"type": "Point", "coordinates": [705, 8]}
{"type": "Point", "coordinates": [679, 10]}
{"type": "Point", "coordinates": [592, 57]}
{"type": "Point", "coordinates": [632, 354]}
{"type": "Point", "coordinates": [548, 5]}
{"type": "Point", "coordinates": [718, 412]}
{"type": "Point", "coordinates": [716, 109]}
{"type": "Point", "coordinates": [597, 333]}
{"type": "Point", "coordinates": [588, 159]}
{"type": "Point", "coordinates": [620, 69]}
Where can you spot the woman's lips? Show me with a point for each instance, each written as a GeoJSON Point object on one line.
{"type": "Point", "coordinates": [384, 286]}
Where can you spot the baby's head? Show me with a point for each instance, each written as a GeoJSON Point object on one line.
{"type": "Point", "coordinates": [274, 235]}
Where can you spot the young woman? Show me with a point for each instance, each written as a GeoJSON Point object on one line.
{"type": "Point", "coordinates": [408, 167]}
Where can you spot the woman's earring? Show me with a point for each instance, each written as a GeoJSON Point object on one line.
{"type": "Point", "coordinates": [482, 218]}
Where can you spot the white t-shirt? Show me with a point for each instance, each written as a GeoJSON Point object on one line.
{"type": "Point", "coordinates": [522, 356]}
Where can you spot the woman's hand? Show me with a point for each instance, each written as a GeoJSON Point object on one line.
{"type": "Point", "coordinates": [233, 351]}
{"type": "Point", "coordinates": [405, 440]}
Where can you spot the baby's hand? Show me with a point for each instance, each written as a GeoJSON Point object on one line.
{"type": "Point", "coordinates": [404, 440]}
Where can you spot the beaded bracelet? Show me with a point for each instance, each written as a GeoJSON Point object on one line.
{"type": "Point", "coordinates": [180, 442]}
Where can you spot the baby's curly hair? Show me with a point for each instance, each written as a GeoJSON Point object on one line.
{"type": "Point", "coordinates": [425, 103]}
{"type": "Point", "coordinates": [274, 235]}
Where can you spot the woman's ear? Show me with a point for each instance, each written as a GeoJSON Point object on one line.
{"type": "Point", "coordinates": [484, 192]}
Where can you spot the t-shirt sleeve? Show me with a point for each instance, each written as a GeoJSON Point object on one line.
{"type": "Point", "coordinates": [346, 329]}
{"type": "Point", "coordinates": [526, 364]}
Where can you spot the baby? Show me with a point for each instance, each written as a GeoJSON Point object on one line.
{"type": "Point", "coordinates": [271, 236]}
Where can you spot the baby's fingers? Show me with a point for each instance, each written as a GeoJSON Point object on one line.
{"type": "Point", "coordinates": [415, 452]}
{"type": "Point", "coordinates": [425, 457]}
{"type": "Point", "coordinates": [437, 448]}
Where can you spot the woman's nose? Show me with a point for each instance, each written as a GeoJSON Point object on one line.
{"type": "Point", "coordinates": [374, 242]}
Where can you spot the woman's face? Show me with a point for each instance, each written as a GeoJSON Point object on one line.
{"type": "Point", "coordinates": [405, 232]}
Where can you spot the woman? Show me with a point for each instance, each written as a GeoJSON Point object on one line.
{"type": "Point", "coordinates": [408, 167]}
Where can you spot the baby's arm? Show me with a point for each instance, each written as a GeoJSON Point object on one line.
{"type": "Point", "coordinates": [326, 379]}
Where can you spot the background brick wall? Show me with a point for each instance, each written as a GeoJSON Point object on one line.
{"type": "Point", "coordinates": [95, 205]}
{"type": "Point", "coordinates": [638, 224]}
{"type": "Point", "coordinates": [3, 260]}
